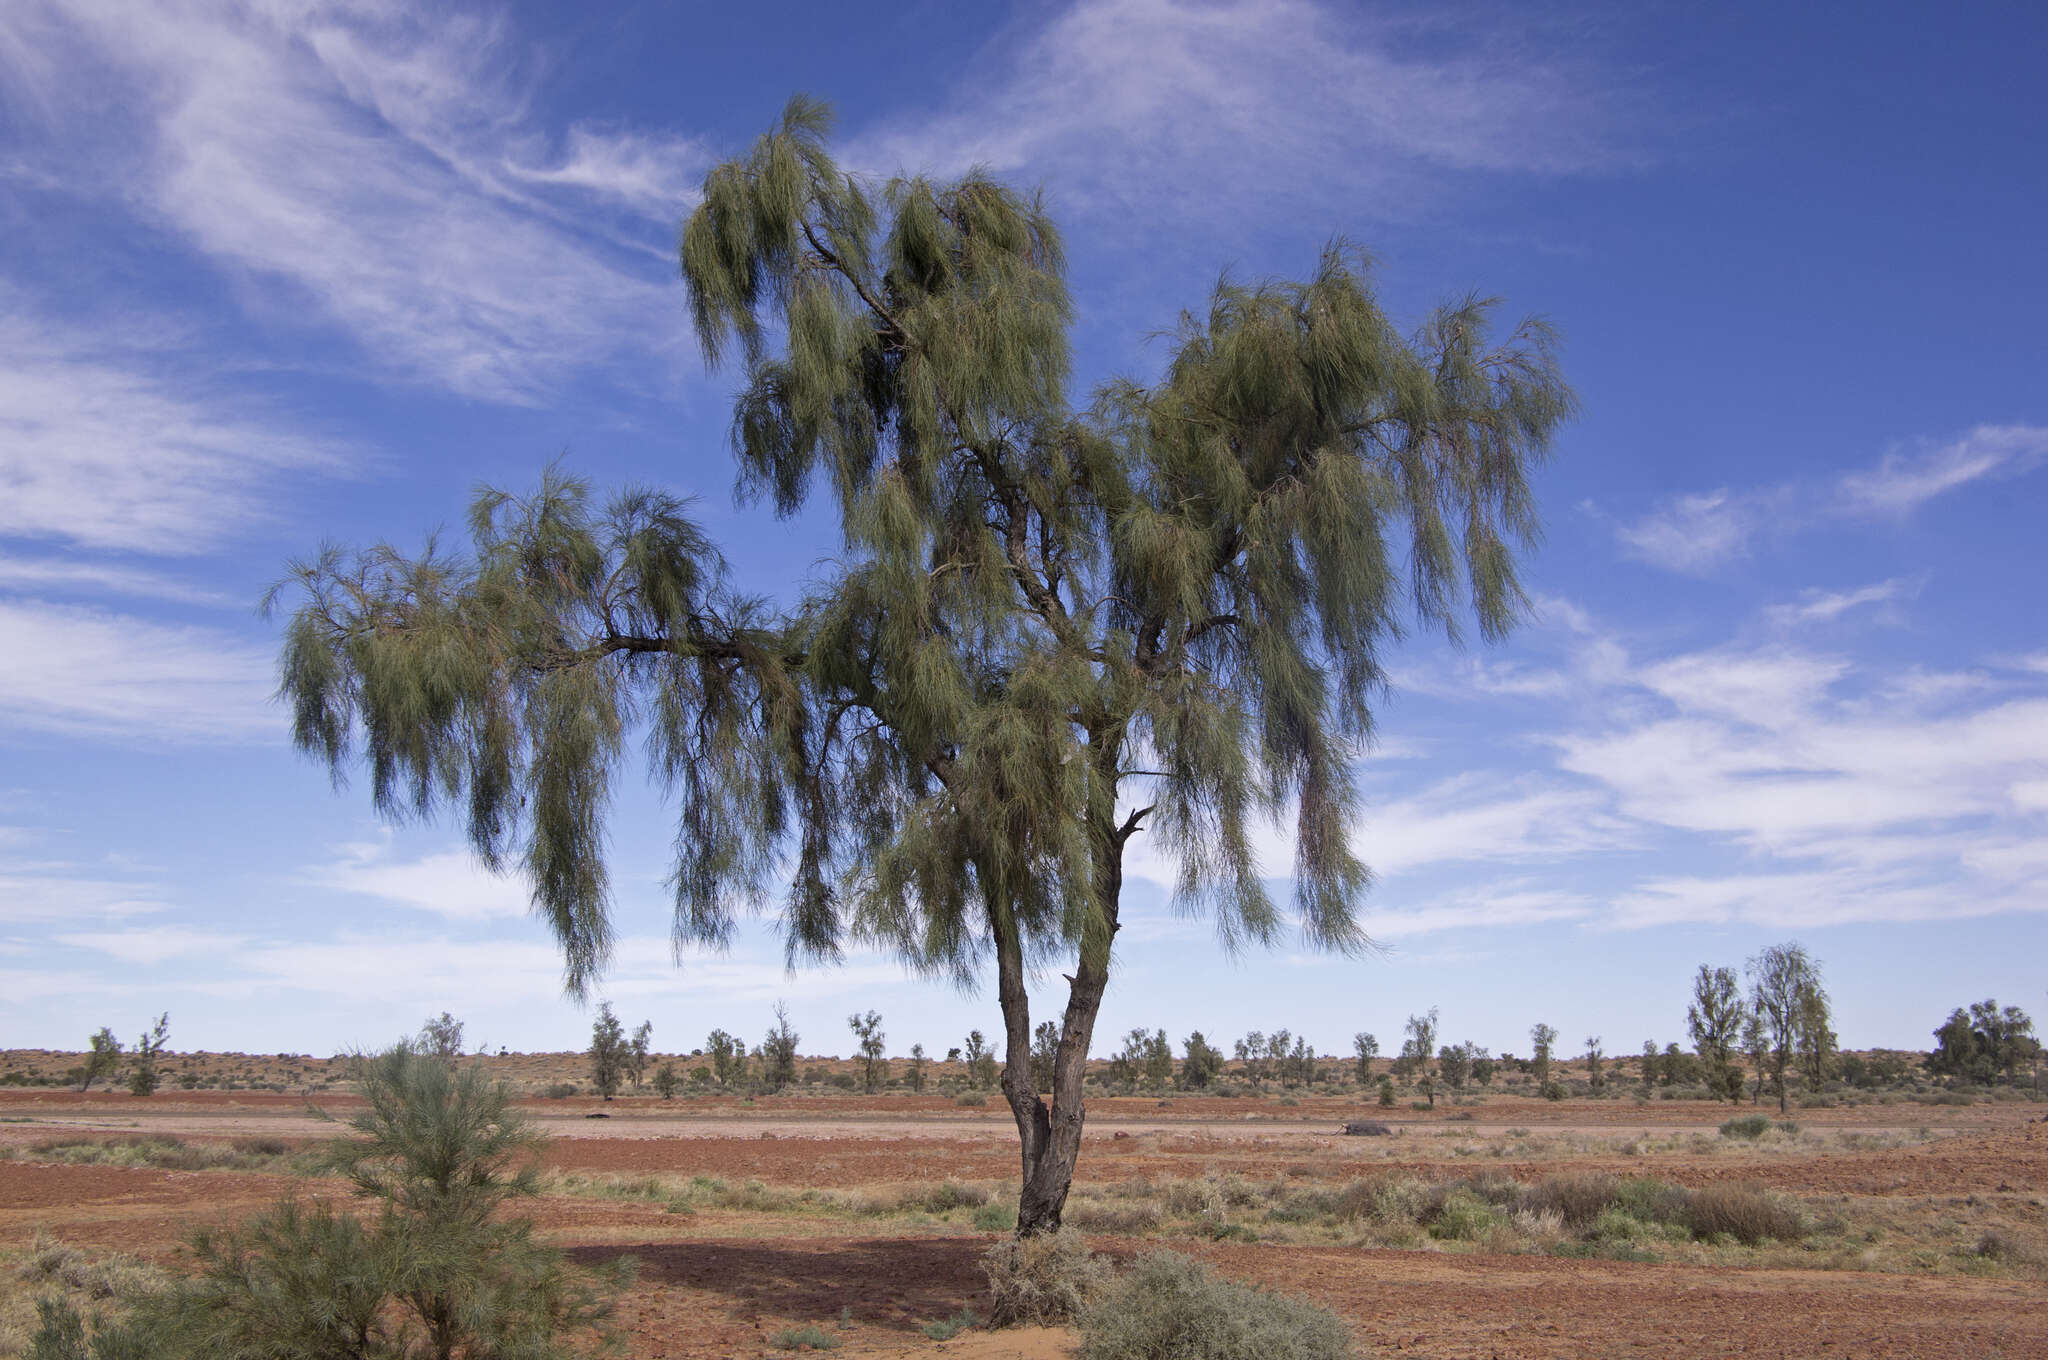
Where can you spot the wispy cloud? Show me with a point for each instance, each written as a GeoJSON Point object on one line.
{"type": "Point", "coordinates": [89, 673]}
{"type": "Point", "coordinates": [1474, 819]}
{"type": "Point", "coordinates": [1148, 101]}
{"type": "Point", "coordinates": [69, 576]}
{"type": "Point", "coordinates": [1903, 482]}
{"type": "Point", "coordinates": [1700, 532]}
{"type": "Point", "coordinates": [448, 883]}
{"type": "Point", "coordinates": [1825, 606]}
{"type": "Point", "coordinates": [379, 164]}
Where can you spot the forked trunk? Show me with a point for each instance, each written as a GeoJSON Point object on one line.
{"type": "Point", "coordinates": [1049, 1130]}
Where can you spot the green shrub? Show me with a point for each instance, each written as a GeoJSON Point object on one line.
{"type": "Point", "coordinates": [809, 1338]}
{"type": "Point", "coordinates": [1043, 1281]}
{"type": "Point", "coordinates": [1577, 1198]}
{"type": "Point", "coordinates": [972, 1100]}
{"type": "Point", "coordinates": [996, 1217]}
{"type": "Point", "coordinates": [1167, 1307]}
{"type": "Point", "coordinates": [1464, 1217]}
{"type": "Point", "coordinates": [945, 1329]}
{"type": "Point", "coordinates": [1750, 1126]}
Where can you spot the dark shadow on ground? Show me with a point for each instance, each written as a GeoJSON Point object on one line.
{"type": "Point", "coordinates": [900, 1283]}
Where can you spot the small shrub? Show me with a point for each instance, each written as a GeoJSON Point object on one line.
{"type": "Point", "coordinates": [1576, 1198]}
{"type": "Point", "coordinates": [1751, 1126]}
{"type": "Point", "coordinates": [560, 1090]}
{"type": "Point", "coordinates": [1366, 1128]}
{"type": "Point", "coordinates": [947, 1328]}
{"type": "Point", "coordinates": [1464, 1217]}
{"type": "Point", "coordinates": [1113, 1218]}
{"type": "Point", "coordinates": [996, 1217]}
{"type": "Point", "coordinates": [1745, 1214]}
{"type": "Point", "coordinates": [1553, 1090]}
{"type": "Point", "coordinates": [809, 1338]}
{"type": "Point", "coordinates": [1170, 1306]}
{"type": "Point", "coordinates": [972, 1100]}
{"type": "Point", "coordinates": [1043, 1281]}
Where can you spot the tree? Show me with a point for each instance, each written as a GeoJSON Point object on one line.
{"type": "Point", "coordinates": [1420, 1049]}
{"type": "Point", "coordinates": [728, 1057]}
{"type": "Point", "coordinates": [441, 1037]}
{"type": "Point", "coordinates": [1786, 998]}
{"type": "Point", "coordinates": [867, 1033]}
{"type": "Point", "coordinates": [1454, 1061]}
{"type": "Point", "coordinates": [1127, 1064]}
{"type": "Point", "coordinates": [778, 1051]}
{"type": "Point", "coordinates": [1200, 1064]}
{"type": "Point", "coordinates": [1251, 1057]}
{"type": "Point", "coordinates": [1815, 1044]}
{"type": "Point", "coordinates": [103, 1058]}
{"type": "Point", "coordinates": [917, 1062]}
{"type": "Point", "coordinates": [1542, 1039]}
{"type": "Point", "coordinates": [1367, 1048]}
{"type": "Point", "coordinates": [1715, 1019]}
{"type": "Point", "coordinates": [666, 1081]}
{"type": "Point", "coordinates": [943, 737]}
{"type": "Point", "coordinates": [438, 1271]}
{"type": "Point", "coordinates": [1756, 1045]}
{"type": "Point", "coordinates": [1651, 1063]}
{"type": "Point", "coordinates": [981, 1060]}
{"type": "Point", "coordinates": [610, 1054]}
{"type": "Point", "coordinates": [637, 1050]}
{"type": "Point", "coordinates": [1158, 1061]}
{"type": "Point", "coordinates": [1596, 1074]}
{"type": "Point", "coordinates": [1980, 1044]}
{"type": "Point", "coordinates": [1045, 1051]}
{"type": "Point", "coordinates": [1483, 1065]}
{"type": "Point", "coordinates": [143, 1076]}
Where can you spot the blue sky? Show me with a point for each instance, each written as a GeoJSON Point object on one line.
{"type": "Point", "coordinates": [277, 273]}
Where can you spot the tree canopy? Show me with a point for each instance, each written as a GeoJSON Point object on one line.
{"type": "Point", "coordinates": [1049, 628]}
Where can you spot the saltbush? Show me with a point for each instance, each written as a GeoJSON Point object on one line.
{"type": "Point", "coordinates": [1747, 1126]}
{"type": "Point", "coordinates": [1167, 1307]}
{"type": "Point", "coordinates": [1743, 1213]}
{"type": "Point", "coordinates": [1043, 1281]}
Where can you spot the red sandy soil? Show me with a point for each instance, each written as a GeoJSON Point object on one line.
{"type": "Point", "coordinates": [721, 1284]}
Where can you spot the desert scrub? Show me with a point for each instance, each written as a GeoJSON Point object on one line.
{"type": "Point", "coordinates": [168, 1154]}
{"type": "Point", "coordinates": [1167, 1307]}
{"type": "Point", "coordinates": [1043, 1281]}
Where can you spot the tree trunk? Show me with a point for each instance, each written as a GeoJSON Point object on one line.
{"type": "Point", "coordinates": [1049, 1134]}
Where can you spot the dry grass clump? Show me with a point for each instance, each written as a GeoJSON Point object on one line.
{"type": "Point", "coordinates": [165, 1153]}
{"type": "Point", "coordinates": [1167, 1307]}
{"type": "Point", "coordinates": [1043, 1281]}
{"type": "Point", "coordinates": [51, 1264]}
{"type": "Point", "coordinates": [1743, 1213]}
{"type": "Point", "coordinates": [1577, 1198]}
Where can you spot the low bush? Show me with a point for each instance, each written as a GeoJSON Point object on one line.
{"type": "Point", "coordinates": [1043, 1281]}
{"type": "Point", "coordinates": [972, 1100]}
{"type": "Point", "coordinates": [1167, 1307]}
{"type": "Point", "coordinates": [1747, 1126]}
{"type": "Point", "coordinates": [1577, 1198]}
{"type": "Point", "coordinates": [1743, 1213]}
{"type": "Point", "coordinates": [945, 1329]}
{"type": "Point", "coordinates": [811, 1338]}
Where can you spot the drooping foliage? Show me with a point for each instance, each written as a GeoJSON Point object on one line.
{"type": "Point", "coordinates": [1048, 629]}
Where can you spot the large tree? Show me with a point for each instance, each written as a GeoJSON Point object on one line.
{"type": "Point", "coordinates": [1715, 1019]}
{"type": "Point", "coordinates": [1790, 1004]}
{"type": "Point", "coordinates": [1047, 630]}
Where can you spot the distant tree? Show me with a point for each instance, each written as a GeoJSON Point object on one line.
{"type": "Point", "coordinates": [666, 1081]}
{"type": "Point", "coordinates": [1596, 1072]}
{"type": "Point", "coordinates": [1367, 1048]}
{"type": "Point", "coordinates": [778, 1051]}
{"type": "Point", "coordinates": [143, 1074]}
{"type": "Point", "coordinates": [1420, 1049]}
{"type": "Point", "coordinates": [1756, 1044]}
{"type": "Point", "coordinates": [1815, 1044]}
{"type": "Point", "coordinates": [1483, 1065]}
{"type": "Point", "coordinates": [953, 1055]}
{"type": "Point", "coordinates": [1980, 1045]}
{"type": "Point", "coordinates": [1786, 997]}
{"type": "Point", "coordinates": [1715, 1019]}
{"type": "Point", "coordinates": [728, 1058]}
{"type": "Point", "coordinates": [441, 1037]}
{"type": "Point", "coordinates": [1158, 1061]}
{"type": "Point", "coordinates": [1386, 1092]}
{"type": "Point", "coordinates": [610, 1053]}
{"type": "Point", "coordinates": [1301, 1062]}
{"type": "Point", "coordinates": [1454, 1062]}
{"type": "Point", "coordinates": [1251, 1057]}
{"type": "Point", "coordinates": [1680, 1068]}
{"type": "Point", "coordinates": [637, 1050]}
{"type": "Point", "coordinates": [868, 1036]}
{"type": "Point", "coordinates": [1045, 1048]}
{"type": "Point", "coordinates": [1651, 1064]}
{"type": "Point", "coordinates": [1542, 1039]}
{"type": "Point", "coordinates": [1200, 1064]}
{"type": "Point", "coordinates": [1279, 1047]}
{"type": "Point", "coordinates": [981, 1060]}
{"type": "Point", "coordinates": [916, 1072]}
{"type": "Point", "coordinates": [103, 1058]}
{"type": "Point", "coordinates": [1127, 1064]}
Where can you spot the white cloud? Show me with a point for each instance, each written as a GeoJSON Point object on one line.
{"type": "Point", "coordinates": [368, 158]}
{"type": "Point", "coordinates": [89, 673]}
{"type": "Point", "coordinates": [42, 893]}
{"type": "Point", "coordinates": [70, 576]}
{"type": "Point", "coordinates": [1825, 606]}
{"type": "Point", "coordinates": [1473, 818]}
{"type": "Point", "coordinates": [152, 945]}
{"type": "Point", "coordinates": [1901, 482]}
{"type": "Point", "coordinates": [1496, 908]}
{"type": "Point", "coordinates": [448, 883]}
{"type": "Point", "coordinates": [1696, 533]}
{"type": "Point", "coordinates": [1127, 101]}
{"type": "Point", "coordinates": [123, 445]}
{"type": "Point", "coordinates": [1768, 689]}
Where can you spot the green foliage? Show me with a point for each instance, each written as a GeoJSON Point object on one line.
{"type": "Point", "coordinates": [981, 1060]}
{"type": "Point", "coordinates": [806, 1338]}
{"type": "Point", "coordinates": [1167, 1307]}
{"type": "Point", "coordinates": [441, 1037]}
{"type": "Point", "coordinates": [915, 1075]}
{"type": "Point", "coordinates": [1983, 1044]}
{"type": "Point", "coordinates": [728, 1057]}
{"type": "Point", "coordinates": [868, 1036]}
{"type": "Point", "coordinates": [1386, 1097]}
{"type": "Point", "coordinates": [637, 1049]}
{"type": "Point", "coordinates": [1045, 1047]}
{"type": "Point", "coordinates": [778, 1051]}
{"type": "Point", "coordinates": [667, 1081]}
{"type": "Point", "coordinates": [945, 1329]}
{"type": "Point", "coordinates": [102, 1060]}
{"type": "Point", "coordinates": [609, 1052]}
{"type": "Point", "coordinates": [1715, 1019]}
{"type": "Point", "coordinates": [143, 1074]}
{"type": "Point", "coordinates": [1790, 1008]}
{"type": "Point", "coordinates": [1542, 1040]}
{"type": "Point", "coordinates": [1750, 1126]}
{"type": "Point", "coordinates": [435, 1273]}
{"type": "Point", "coordinates": [1030, 595]}
{"type": "Point", "coordinates": [1200, 1064]}
{"type": "Point", "coordinates": [1365, 1048]}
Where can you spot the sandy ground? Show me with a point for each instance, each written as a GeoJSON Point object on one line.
{"type": "Point", "coordinates": [723, 1284]}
